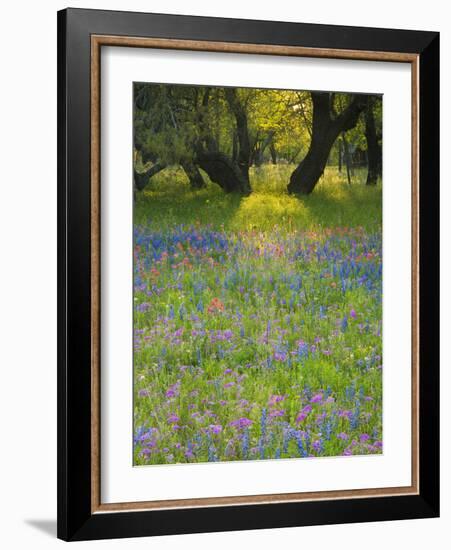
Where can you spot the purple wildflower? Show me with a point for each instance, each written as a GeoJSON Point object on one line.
{"type": "Point", "coordinates": [301, 417]}
{"type": "Point", "coordinates": [317, 398]}
{"type": "Point", "coordinates": [280, 356]}
{"type": "Point", "coordinates": [215, 428]}
{"type": "Point", "coordinates": [145, 452]}
{"type": "Point", "coordinates": [317, 445]}
{"type": "Point", "coordinates": [173, 418]}
{"type": "Point", "coordinates": [173, 390]}
{"type": "Point", "coordinates": [275, 399]}
{"type": "Point", "coordinates": [241, 423]}
{"type": "Point", "coordinates": [276, 413]}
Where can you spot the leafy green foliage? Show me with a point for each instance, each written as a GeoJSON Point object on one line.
{"type": "Point", "coordinates": [173, 123]}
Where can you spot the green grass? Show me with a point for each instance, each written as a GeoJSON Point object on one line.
{"type": "Point", "coordinates": [168, 200]}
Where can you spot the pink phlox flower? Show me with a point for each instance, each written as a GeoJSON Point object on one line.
{"type": "Point", "coordinates": [317, 398]}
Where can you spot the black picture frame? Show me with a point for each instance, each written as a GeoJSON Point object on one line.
{"type": "Point", "coordinates": [75, 518]}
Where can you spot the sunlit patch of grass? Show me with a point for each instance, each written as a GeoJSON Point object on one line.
{"type": "Point", "coordinates": [169, 201]}
{"type": "Point", "coordinates": [264, 211]}
{"type": "Point", "coordinates": [271, 178]}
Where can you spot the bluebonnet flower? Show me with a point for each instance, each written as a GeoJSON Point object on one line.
{"type": "Point", "coordinates": [245, 444]}
{"type": "Point", "coordinates": [303, 350]}
{"type": "Point", "coordinates": [171, 312]}
{"type": "Point", "coordinates": [344, 324]}
{"type": "Point", "coordinates": [328, 427]}
{"type": "Point", "coordinates": [211, 449]}
{"type": "Point", "coordinates": [355, 418]}
{"type": "Point", "coordinates": [263, 420]}
{"type": "Point", "coordinates": [301, 447]}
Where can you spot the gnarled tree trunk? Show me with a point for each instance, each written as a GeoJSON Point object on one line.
{"type": "Point", "coordinates": [234, 147]}
{"type": "Point", "coordinates": [192, 172]}
{"type": "Point", "coordinates": [244, 150]}
{"type": "Point", "coordinates": [142, 179]}
{"type": "Point", "coordinates": [325, 131]}
{"type": "Point", "coordinates": [348, 159]}
{"type": "Point", "coordinates": [261, 147]}
{"type": "Point", "coordinates": [223, 171]}
{"type": "Point", "coordinates": [231, 174]}
{"type": "Point", "coordinates": [374, 148]}
{"type": "Point", "coordinates": [272, 150]}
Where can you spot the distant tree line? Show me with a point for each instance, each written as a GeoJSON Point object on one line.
{"type": "Point", "coordinates": [222, 132]}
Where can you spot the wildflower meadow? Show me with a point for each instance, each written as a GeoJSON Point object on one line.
{"type": "Point", "coordinates": [257, 321]}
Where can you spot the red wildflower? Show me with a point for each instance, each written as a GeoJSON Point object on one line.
{"type": "Point", "coordinates": [215, 306]}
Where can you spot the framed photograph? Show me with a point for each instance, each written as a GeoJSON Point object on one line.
{"type": "Point", "coordinates": [248, 274]}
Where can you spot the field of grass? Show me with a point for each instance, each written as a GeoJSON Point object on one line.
{"type": "Point", "coordinates": [257, 320]}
